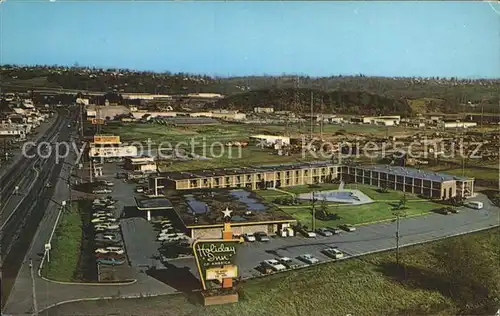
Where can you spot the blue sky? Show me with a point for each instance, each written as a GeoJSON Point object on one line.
{"type": "Point", "coordinates": [401, 38]}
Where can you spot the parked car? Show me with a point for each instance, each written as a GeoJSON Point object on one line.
{"type": "Point", "coordinates": [262, 236]}
{"type": "Point", "coordinates": [107, 236]}
{"type": "Point", "coordinates": [108, 226]}
{"type": "Point", "coordinates": [103, 219]}
{"type": "Point", "coordinates": [308, 258]}
{"type": "Point", "coordinates": [110, 255]}
{"type": "Point", "coordinates": [110, 261]}
{"type": "Point", "coordinates": [475, 205]}
{"type": "Point", "coordinates": [287, 262]}
{"type": "Point", "coordinates": [139, 189]}
{"type": "Point", "coordinates": [107, 183]}
{"type": "Point", "coordinates": [273, 264]}
{"type": "Point", "coordinates": [348, 227]}
{"type": "Point", "coordinates": [444, 210]}
{"type": "Point", "coordinates": [309, 234]}
{"type": "Point", "coordinates": [324, 232]}
{"type": "Point", "coordinates": [334, 230]}
{"type": "Point", "coordinates": [333, 253]}
{"type": "Point", "coordinates": [117, 250]}
{"type": "Point", "coordinates": [103, 214]}
{"type": "Point", "coordinates": [249, 237]}
{"type": "Point", "coordinates": [101, 191]}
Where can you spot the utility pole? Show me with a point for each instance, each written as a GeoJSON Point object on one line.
{"type": "Point", "coordinates": [312, 112]}
{"type": "Point", "coordinates": [81, 120]}
{"type": "Point", "coordinates": [397, 239]}
{"type": "Point", "coordinates": [313, 226]}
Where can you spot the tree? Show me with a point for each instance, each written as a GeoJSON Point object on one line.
{"type": "Point", "coordinates": [402, 202]}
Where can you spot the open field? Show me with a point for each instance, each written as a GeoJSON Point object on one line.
{"type": "Point", "coordinates": [359, 214]}
{"type": "Point", "coordinates": [370, 285]}
{"type": "Point", "coordinates": [478, 173]}
{"type": "Point", "coordinates": [230, 131]}
{"type": "Point", "coordinates": [66, 245]}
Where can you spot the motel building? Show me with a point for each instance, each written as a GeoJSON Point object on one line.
{"type": "Point", "coordinates": [429, 184]}
{"type": "Point", "coordinates": [252, 178]}
{"type": "Point", "coordinates": [198, 213]}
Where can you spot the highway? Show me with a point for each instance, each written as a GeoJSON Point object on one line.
{"type": "Point", "coordinates": [22, 211]}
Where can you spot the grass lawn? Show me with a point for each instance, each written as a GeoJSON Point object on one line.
{"type": "Point", "coordinates": [365, 286]}
{"type": "Point", "coordinates": [66, 245]}
{"type": "Point", "coordinates": [358, 214]}
{"type": "Point", "coordinates": [477, 173]}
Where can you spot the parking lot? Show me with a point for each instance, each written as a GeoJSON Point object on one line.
{"type": "Point", "coordinates": [366, 239]}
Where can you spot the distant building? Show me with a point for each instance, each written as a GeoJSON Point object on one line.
{"type": "Point", "coordinates": [146, 96]}
{"type": "Point", "coordinates": [263, 110]}
{"type": "Point", "coordinates": [382, 120]}
{"type": "Point", "coordinates": [270, 139]}
{"type": "Point", "coordinates": [109, 146]}
{"type": "Point", "coordinates": [143, 164]}
{"type": "Point", "coordinates": [229, 115]}
{"type": "Point", "coordinates": [457, 124]}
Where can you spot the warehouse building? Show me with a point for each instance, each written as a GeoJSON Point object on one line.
{"type": "Point", "coordinates": [457, 124]}
{"type": "Point", "coordinates": [382, 120]}
{"type": "Point", "coordinates": [270, 139]}
{"type": "Point", "coordinates": [144, 164]}
{"type": "Point", "coordinates": [274, 176]}
{"type": "Point", "coordinates": [426, 183]}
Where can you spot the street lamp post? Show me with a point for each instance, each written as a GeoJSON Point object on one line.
{"type": "Point", "coordinates": [48, 245]}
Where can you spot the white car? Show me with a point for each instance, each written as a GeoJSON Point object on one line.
{"type": "Point", "coordinates": [310, 234]}
{"type": "Point", "coordinates": [168, 238]}
{"type": "Point", "coordinates": [139, 190]}
{"type": "Point", "coordinates": [108, 183]}
{"type": "Point", "coordinates": [274, 264]}
{"type": "Point", "coordinates": [101, 191]}
{"type": "Point", "coordinates": [103, 214]}
{"type": "Point", "coordinates": [103, 219]}
{"type": "Point", "coordinates": [333, 253]}
{"type": "Point", "coordinates": [107, 226]}
{"type": "Point", "coordinates": [249, 237]}
{"type": "Point", "coordinates": [116, 250]}
{"type": "Point", "coordinates": [307, 258]}
{"type": "Point", "coordinates": [168, 235]}
{"type": "Point", "coordinates": [110, 207]}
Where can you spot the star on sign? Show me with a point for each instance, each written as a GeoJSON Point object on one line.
{"type": "Point", "coordinates": [227, 212]}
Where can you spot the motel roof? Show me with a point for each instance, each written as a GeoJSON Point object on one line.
{"type": "Point", "coordinates": [153, 204]}
{"type": "Point", "coordinates": [203, 208]}
{"type": "Point", "coordinates": [220, 172]}
{"type": "Point", "coordinates": [414, 173]}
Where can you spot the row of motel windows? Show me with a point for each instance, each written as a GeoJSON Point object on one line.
{"type": "Point", "coordinates": [288, 177]}
{"type": "Point", "coordinates": [434, 191]}
{"type": "Point", "coordinates": [361, 176]}
{"type": "Point", "coordinates": [228, 182]}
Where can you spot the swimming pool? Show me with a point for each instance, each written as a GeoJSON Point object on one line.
{"type": "Point", "coordinates": [350, 196]}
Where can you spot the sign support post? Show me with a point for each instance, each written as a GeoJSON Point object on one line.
{"type": "Point", "coordinates": [215, 260]}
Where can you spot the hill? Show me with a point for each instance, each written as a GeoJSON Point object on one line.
{"type": "Point", "coordinates": [299, 100]}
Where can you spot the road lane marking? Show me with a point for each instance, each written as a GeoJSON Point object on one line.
{"type": "Point", "coordinates": [24, 197]}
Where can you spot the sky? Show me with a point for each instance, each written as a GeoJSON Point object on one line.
{"type": "Point", "coordinates": [401, 38]}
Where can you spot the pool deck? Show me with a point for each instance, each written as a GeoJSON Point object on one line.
{"type": "Point", "coordinates": [330, 196]}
